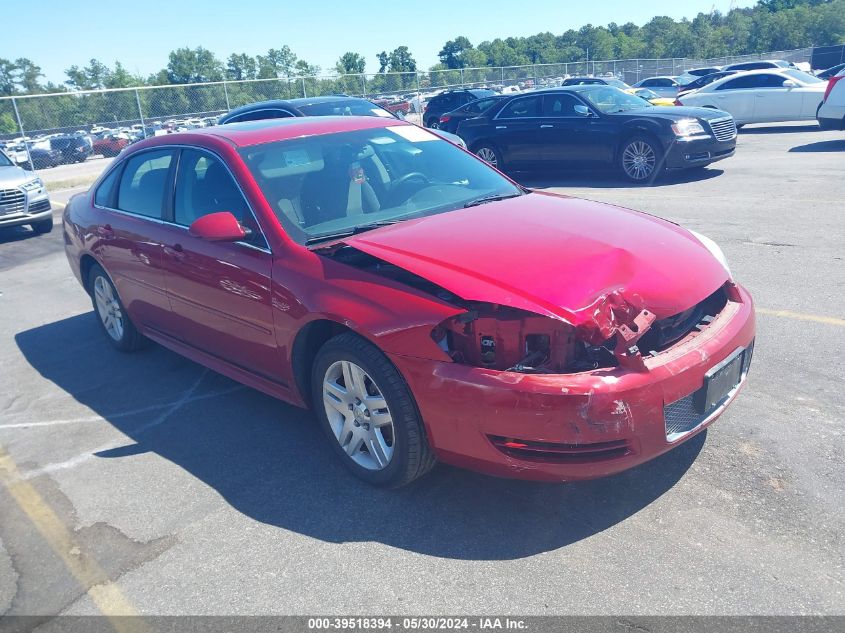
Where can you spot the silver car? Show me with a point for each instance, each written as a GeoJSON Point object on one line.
{"type": "Point", "coordinates": [23, 198]}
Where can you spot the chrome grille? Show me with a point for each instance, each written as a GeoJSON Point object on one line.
{"type": "Point", "coordinates": [12, 201]}
{"type": "Point", "coordinates": [723, 129]}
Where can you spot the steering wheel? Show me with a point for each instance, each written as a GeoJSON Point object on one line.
{"type": "Point", "coordinates": [408, 177]}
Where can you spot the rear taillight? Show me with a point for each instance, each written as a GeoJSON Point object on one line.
{"type": "Point", "coordinates": [445, 118]}
{"type": "Point", "coordinates": [830, 83]}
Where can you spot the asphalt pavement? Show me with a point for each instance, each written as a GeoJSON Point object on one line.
{"type": "Point", "coordinates": [147, 484]}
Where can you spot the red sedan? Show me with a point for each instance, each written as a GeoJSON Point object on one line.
{"type": "Point", "coordinates": [422, 304]}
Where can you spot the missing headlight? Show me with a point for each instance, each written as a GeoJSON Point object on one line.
{"type": "Point", "coordinates": [507, 339]}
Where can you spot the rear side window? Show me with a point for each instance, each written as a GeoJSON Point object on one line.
{"type": "Point", "coordinates": [744, 82]}
{"type": "Point", "coordinates": [143, 183]}
{"type": "Point", "coordinates": [104, 196]}
{"type": "Point", "coordinates": [260, 115]}
{"type": "Point", "coordinates": [522, 107]}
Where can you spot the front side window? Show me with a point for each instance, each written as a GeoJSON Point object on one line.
{"type": "Point", "coordinates": [204, 186]}
{"type": "Point", "coordinates": [560, 105]}
{"type": "Point", "coordinates": [610, 100]}
{"type": "Point", "coordinates": [328, 184]}
{"type": "Point", "coordinates": [521, 108]}
{"type": "Point", "coordinates": [143, 183]}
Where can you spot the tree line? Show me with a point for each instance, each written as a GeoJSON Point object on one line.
{"type": "Point", "coordinates": [767, 26]}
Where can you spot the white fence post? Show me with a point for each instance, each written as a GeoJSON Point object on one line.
{"type": "Point", "coordinates": [226, 94]}
{"type": "Point", "coordinates": [140, 113]}
{"type": "Point", "coordinates": [23, 134]}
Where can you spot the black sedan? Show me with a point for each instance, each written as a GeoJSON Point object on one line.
{"type": "Point", "coordinates": [597, 127]}
{"type": "Point", "coordinates": [450, 120]}
{"type": "Point", "coordinates": [336, 105]}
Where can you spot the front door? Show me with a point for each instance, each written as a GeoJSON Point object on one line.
{"type": "Point", "coordinates": [220, 292]}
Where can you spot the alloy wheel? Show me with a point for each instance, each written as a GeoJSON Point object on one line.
{"type": "Point", "coordinates": [108, 307]}
{"type": "Point", "coordinates": [358, 415]}
{"type": "Point", "coordinates": [488, 156]}
{"type": "Point", "coordinates": [639, 160]}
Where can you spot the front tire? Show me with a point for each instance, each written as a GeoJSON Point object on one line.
{"type": "Point", "coordinates": [640, 159]}
{"type": "Point", "coordinates": [368, 413]}
{"type": "Point", "coordinates": [111, 314]}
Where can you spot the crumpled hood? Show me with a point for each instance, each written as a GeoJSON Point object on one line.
{"type": "Point", "coordinates": [563, 257]}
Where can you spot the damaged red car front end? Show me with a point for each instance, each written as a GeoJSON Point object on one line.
{"type": "Point", "coordinates": [590, 338]}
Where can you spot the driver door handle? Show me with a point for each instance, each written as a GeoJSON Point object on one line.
{"type": "Point", "coordinates": [501, 127]}
{"type": "Point", "coordinates": [105, 231]}
{"type": "Point", "coordinates": [545, 125]}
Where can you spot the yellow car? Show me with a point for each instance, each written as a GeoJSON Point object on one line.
{"type": "Point", "coordinates": [652, 97]}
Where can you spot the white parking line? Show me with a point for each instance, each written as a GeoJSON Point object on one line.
{"type": "Point", "coordinates": [122, 414]}
{"type": "Point", "coordinates": [88, 455]}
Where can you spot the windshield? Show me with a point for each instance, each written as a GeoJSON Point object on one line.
{"type": "Point", "coordinates": [346, 107]}
{"type": "Point", "coordinates": [804, 78]}
{"type": "Point", "coordinates": [611, 100]}
{"type": "Point", "coordinates": [617, 83]}
{"type": "Point", "coordinates": [325, 185]}
{"type": "Point", "coordinates": [645, 93]}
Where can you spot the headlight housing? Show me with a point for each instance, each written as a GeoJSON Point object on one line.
{"type": "Point", "coordinates": [715, 251]}
{"type": "Point", "coordinates": [33, 186]}
{"type": "Point", "coordinates": [687, 127]}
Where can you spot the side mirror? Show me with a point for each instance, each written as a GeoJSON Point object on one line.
{"type": "Point", "coordinates": [582, 110]}
{"type": "Point", "coordinates": [790, 84]}
{"type": "Point", "coordinates": [218, 227]}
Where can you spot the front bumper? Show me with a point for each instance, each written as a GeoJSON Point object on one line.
{"type": "Point", "coordinates": [606, 420]}
{"type": "Point", "coordinates": [698, 152]}
{"type": "Point", "coordinates": [36, 208]}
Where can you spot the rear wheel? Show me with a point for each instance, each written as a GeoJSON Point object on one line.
{"type": "Point", "coordinates": [640, 159]}
{"type": "Point", "coordinates": [489, 154]}
{"type": "Point", "coordinates": [368, 413]}
{"type": "Point", "coordinates": [43, 226]}
{"type": "Point", "coordinates": [111, 314]}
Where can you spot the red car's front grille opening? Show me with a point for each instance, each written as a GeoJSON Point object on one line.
{"type": "Point", "coordinates": [551, 452]}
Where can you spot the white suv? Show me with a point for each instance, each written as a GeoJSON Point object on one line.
{"type": "Point", "coordinates": [831, 114]}
{"type": "Point", "coordinates": [23, 198]}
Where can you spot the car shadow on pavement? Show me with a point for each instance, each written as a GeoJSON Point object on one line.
{"type": "Point", "coordinates": [271, 462]}
{"type": "Point", "coordinates": [836, 145]}
{"type": "Point", "coordinates": [780, 129]}
{"type": "Point", "coordinates": [611, 180]}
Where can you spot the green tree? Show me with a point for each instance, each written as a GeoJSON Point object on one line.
{"type": "Point", "coordinates": [241, 66]}
{"type": "Point", "coordinates": [7, 77]}
{"type": "Point", "coordinates": [278, 62]}
{"type": "Point", "coordinates": [452, 53]}
{"type": "Point", "coordinates": [193, 65]}
{"type": "Point", "coordinates": [351, 64]}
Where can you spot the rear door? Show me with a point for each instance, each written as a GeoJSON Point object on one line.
{"type": "Point", "coordinates": [128, 210]}
{"type": "Point", "coordinates": [518, 134]}
{"type": "Point", "coordinates": [220, 292]}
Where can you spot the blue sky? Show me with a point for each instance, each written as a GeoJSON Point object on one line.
{"type": "Point", "coordinates": [59, 33]}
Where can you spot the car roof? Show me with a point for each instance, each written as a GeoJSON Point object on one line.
{"type": "Point", "coordinates": [269, 130]}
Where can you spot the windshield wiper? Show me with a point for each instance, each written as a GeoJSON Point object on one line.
{"type": "Point", "coordinates": [491, 198]}
{"type": "Point", "coordinates": [354, 230]}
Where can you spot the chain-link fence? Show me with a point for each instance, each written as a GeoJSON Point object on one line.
{"type": "Point", "coordinates": [27, 121]}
